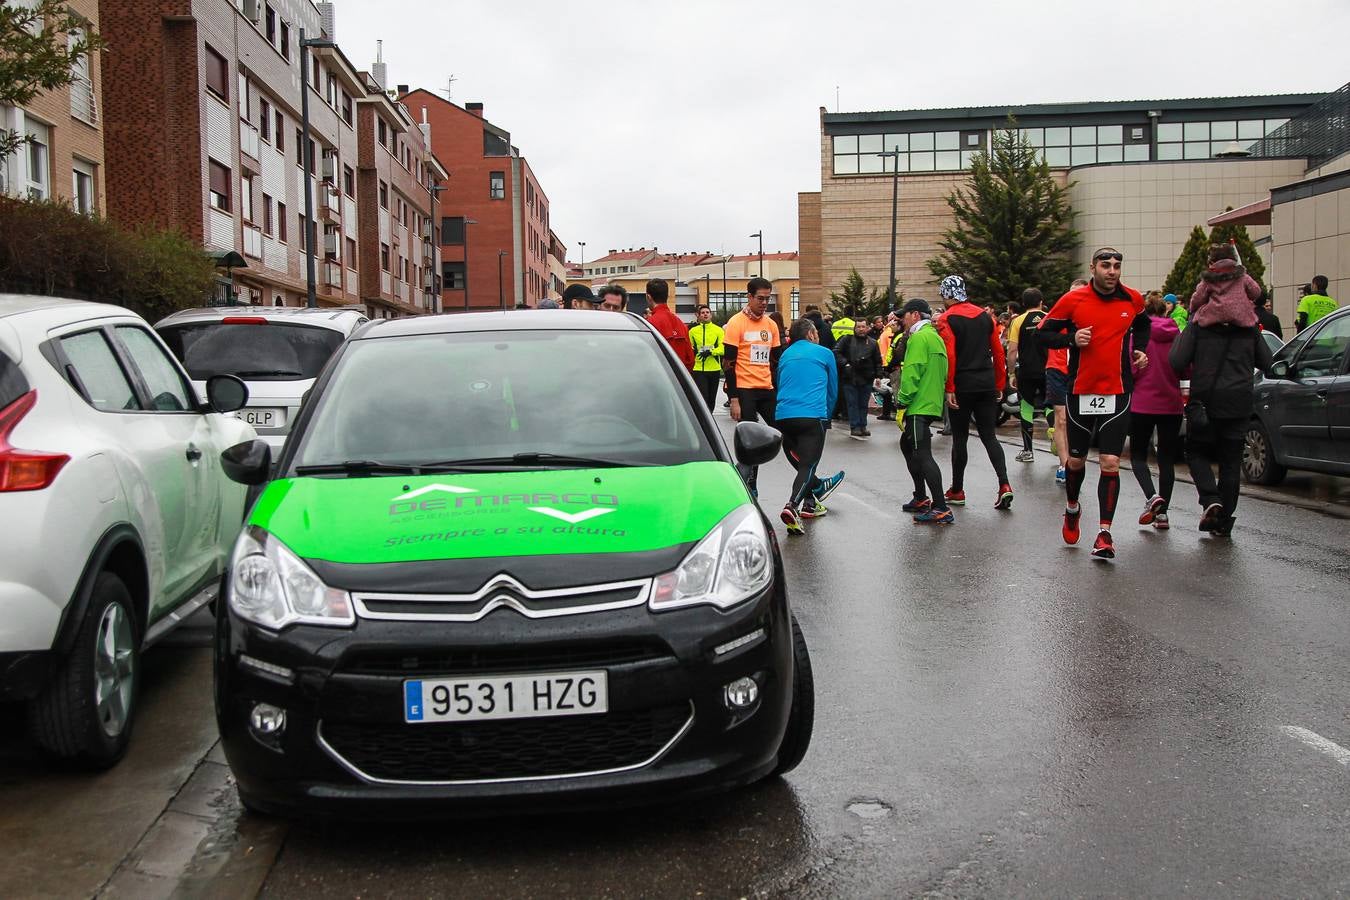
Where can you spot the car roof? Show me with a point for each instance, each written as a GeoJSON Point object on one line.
{"type": "Point", "coordinates": [510, 320]}
{"type": "Point", "coordinates": [16, 304]}
{"type": "Point", "coordinates": [330, 317]}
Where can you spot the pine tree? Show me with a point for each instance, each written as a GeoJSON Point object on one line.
{"type": "Point", "coordinates": [1014, 227]}
{"type": "Point", "coordinates": [855, 300]}
{"type": "Point", "coordinates": [1247, 252]}
{"type": "Point", "coordinates": [1185, 274]}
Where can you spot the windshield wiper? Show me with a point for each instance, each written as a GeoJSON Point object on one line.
{"type": "Point", "coordinates": [255, 373]}
{"type": "Point", "coordinates": [360, 467]}
{"type": "Point", "coordinates": [530, 458]}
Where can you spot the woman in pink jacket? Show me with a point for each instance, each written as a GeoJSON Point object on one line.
{"type": "Point", "coordinates": [1156, 407]}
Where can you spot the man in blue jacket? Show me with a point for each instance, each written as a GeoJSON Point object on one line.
{"type": "Point", "coordinates": [808, 385]}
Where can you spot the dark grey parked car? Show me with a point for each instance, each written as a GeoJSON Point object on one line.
{"type": "Point", "coordinates": [1301, 414]}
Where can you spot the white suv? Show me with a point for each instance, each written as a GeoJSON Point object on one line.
{"type": "Point", "coordinates": [277, 350]}
{"type": "Point", "coordinates": [119, 517]}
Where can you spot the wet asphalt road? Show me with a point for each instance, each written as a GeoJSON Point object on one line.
{"type": "Point", "coordinates": [996, 715]}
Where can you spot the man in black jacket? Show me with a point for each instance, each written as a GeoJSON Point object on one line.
{"type": "Point", "coordinates": [860, 364]}
{"type": "Point", "coordinates": [1221, 358]}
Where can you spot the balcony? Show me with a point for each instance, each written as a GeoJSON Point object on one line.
{"type": "Point", "coordinates": [426, 253]}
{"type": "Point", "coordinates": [250, 148]}
{"type": "Point", "coordinates": [332, 275]}
{"type": "Point", "coordinates": [253, 244]}
{"type": "Point", "coordinates": [83, 104]}
{"type": "Point", "coordinates": [402, 291]}
{"type": "Point", "coordinates": [330, 205]}
{"type": "Point", "coordinates": [400, 234]}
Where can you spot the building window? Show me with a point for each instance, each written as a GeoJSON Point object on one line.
{"type": "Point", "coordinates": [497, 185]}
{"type": "Point", "coordinates": [1202, 140]}
{"type": "Point", "coordinates": [383, 131]}
{"type": "Point", "coordinates": [83, 195]}
{"type": "Point", "coordinates": [351, 253]}
{"type": "Point", "coordinates": [217, 74]}
{"type": "Point", "coordinates": [301, 230]}
{"type": "Point", "coordinates": [384, 195]}
{"type": "Point", "coordinates": [384, 257]}
{"type": "Point", "coordinates": [348, 181]}
{"type": "Point", "coordinates": [267, 215]}
{"type": "Point", "coordinates": [271, 29]}
{"type": "Point", "coordinates": [281, 222]}
{"type": "Point", "coordinates": [299, 148]}
{"type": "Point", "coordinates": [281, 132]}
{"type": "Point", "coordinates": [347, 107]}
{"type": "Point", "coordinates": [220, 186]}
{"type": "Point", "coordinates": [264, 120]}
{"type": "Point", "coordinates": [286, 41]}
{"type": "Point", "coordinates": [452, 276]}
{"type": "Point", "coordinates": [315, 81]}
{"type": "Point", "coordinates": [39, 156]}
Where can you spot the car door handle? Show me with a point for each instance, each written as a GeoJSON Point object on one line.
{"type": "Point", "coordinates": [193, 454]}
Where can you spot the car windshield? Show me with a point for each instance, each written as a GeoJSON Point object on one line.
{"type": "Point", "coordinates": [503, 400]}
{"type": "Point", "coordinates": [257, 352]}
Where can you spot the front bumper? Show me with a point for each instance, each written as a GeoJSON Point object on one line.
{"type": "Point", "coordinates": [346, 749]}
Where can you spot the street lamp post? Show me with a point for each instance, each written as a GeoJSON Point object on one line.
{"type": "Point", "coordinates": [501, 296]}
{"type": "Point", "coordinates": [895, 208]}
{"type": "Point", "coordinates": [308, 157]}
{"type": "Point", "coordinates": [760, 234]}
{"type": "Point", "coordinates": [582, 245]}
{"type": "Point", "coordinates": [467, 223]}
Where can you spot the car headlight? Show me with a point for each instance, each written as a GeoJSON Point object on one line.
{"type": "Point", "coordinates": [732, 564]}
{"type": "Point", "coordinates": [273, 587]}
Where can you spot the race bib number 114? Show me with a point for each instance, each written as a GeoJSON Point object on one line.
{"type": "Point", "coordinates": [759, 354]}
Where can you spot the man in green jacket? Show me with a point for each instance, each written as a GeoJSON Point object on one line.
{"type": "Point", "coordinates": [1315, 305]}
{"type": "Point", "coordinates": [706, 336]}
{"type": "Point", "coordinates": [923, 383]}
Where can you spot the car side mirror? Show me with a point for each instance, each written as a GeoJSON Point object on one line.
{"type": "Point", "coordinates": [226, 393]}
{"type": "Point", "coordinates": [756, 444]}
{"type": "Point", "coordinates": [248, 463]}
{"type": "Point", "coordinates": [1280, 369]}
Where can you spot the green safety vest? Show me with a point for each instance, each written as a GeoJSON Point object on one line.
{"type": "Point", "coordinates": [841, 327]}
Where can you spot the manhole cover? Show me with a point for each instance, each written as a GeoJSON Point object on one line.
{"type": "Point", "coordinates": [869, 809]}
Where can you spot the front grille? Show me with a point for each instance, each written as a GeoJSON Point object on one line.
{"type": "Point", "coordinates": [522, 748]}
{"type": "Point", "coordinates": [405, 663]}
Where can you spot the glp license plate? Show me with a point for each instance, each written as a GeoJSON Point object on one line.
{"type": "Point", "coordinates": [264, 417]}
{"type": "Point", "coordinates": [505, 697]}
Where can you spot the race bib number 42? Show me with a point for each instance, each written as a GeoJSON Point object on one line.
{"type": "Point", "coordinates": [759, 354]}
{"type": "Point", "coordinates": [1096, 404]}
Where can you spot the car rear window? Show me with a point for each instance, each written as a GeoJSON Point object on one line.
{"type": "Point", "coordinates": [610, 395]}
{"type": "Point", "coordinates": [12, 383]}
{"type": "Point", "coordinates": [256, 352]}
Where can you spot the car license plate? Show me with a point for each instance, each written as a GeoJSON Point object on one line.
{"type": "Point", "coordinates": [264, 418]}
{"type": "Point", "coordinates": [1096, 404]}
{"type": "Point", "coordinates": [505, 697]}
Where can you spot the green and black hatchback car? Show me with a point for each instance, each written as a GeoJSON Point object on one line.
{"type": "Point", "coordinates": [505, 561]}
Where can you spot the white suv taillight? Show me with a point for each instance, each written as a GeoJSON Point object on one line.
{"type": "Point", "coordinates": [24, 470]}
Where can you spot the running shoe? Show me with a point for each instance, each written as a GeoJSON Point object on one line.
{"type": "Point", "coordinates": [935, 517]}
{"type": "Point", "coordinates": [1224, 527]}
{"type": "Point", "coordinates": [1061, 475]}
{"type": "Point", "coordinates": [857, 434]}
{"type": "Point", "coordinates": [917, 505]}
{"type": "Point", "coordinates": [1160, 522]}
{"type": "Point", "coordinates": [1026, 456]}
{"type": "Point", "coordinates": [866, 432]}
{"type": "Point", "coordinates": [792, 520]}
{"type": "Point", "coordinates": [1070, 530]}
{"type": "Point", "coordinates": [813, 509]}
{"type": "Point", "coordinates": [1102, 548]}
{"type": "Point", "coordinates": [827, 485]}
{"type": "Point", "coordinates": [1155, 507]}
{"type": "Point", "coordinates": [1005, 497]}
{"type": "Point", "coordinates": [955, 497]}
{"type": "Point", "coordinates": [1210, 518]}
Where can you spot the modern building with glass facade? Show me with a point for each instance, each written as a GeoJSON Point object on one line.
{"type": "Point", "coordinates": [1141, 175]}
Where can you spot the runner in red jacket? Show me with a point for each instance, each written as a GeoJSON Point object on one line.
{"type": "Point", "coordinates": [663, 320]}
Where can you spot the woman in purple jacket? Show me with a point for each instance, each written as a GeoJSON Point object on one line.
{"type": "Point", "coordinates": [1156, 406]}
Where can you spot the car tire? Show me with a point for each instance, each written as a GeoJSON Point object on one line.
{"type": "Point", "coordinates": [802, 716]}
{"type": "Point", "coordinates": [84, 716]}
{"type": "Point", "coordinates": [1258, 456]}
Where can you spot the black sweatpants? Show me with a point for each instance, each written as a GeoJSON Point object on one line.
{"type": "Point", "coordinates": [916, 443]}
{"type": "Point", "coordinates": [707, 386]}
{"type": "Point", "coordinates": [1220, 444]}
{"type": "Point", "coordinates": [1168, 429]}
{"type": "Point", "coordinates": [983, 408]}
{"type": "Point", "coordinates": [803, 443]}
{"type": "Point", "coordinates": [756, 405]}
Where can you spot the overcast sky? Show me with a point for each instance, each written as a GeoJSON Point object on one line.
{"type": "Point", "coordinates": [689, 125]}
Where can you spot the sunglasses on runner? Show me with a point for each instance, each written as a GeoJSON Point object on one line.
{"type": "Point", "coordinates": [1108, 254]}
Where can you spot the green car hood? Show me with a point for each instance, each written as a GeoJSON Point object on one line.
{"type": "Point", "coordinates": [498, 514]}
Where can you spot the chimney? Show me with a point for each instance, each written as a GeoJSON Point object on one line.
{"type": "Point", "coordinates": [475, 108]}
{"type": "Point", "coordinates": [379, 71]}
{"type": "Point", "coordinates": [327, 21]}
{"type": "Point", "coordinates": [402, 89]}
{"type": "Point", "coordinates": [425, 127]}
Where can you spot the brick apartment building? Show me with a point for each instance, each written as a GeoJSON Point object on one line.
{"type": "Point", "coordinates": [494, 218]}
{"type": "Point", "coordinates": [64, 156]}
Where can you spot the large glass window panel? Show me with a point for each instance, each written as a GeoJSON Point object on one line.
{"type": "Point", "coordinates": [869, 164]}
{"type": "Point", "coordinates": [1272, 124]}
{"type": "Point", "coordinates": [1057, 157]}
{"type": "Point", "coordinates": [1222, 131]}
{"type": "Point", "coordinates": [869, 143]}
{"type": "Point", "coordinates": [846, 165]}
{"type": "Point", "coordinates": [1083, 134]}
{"type": "Point", "coordinates": [1169, 151]}
{"type": "Point", "coordinates": [948, 140]}
{"type": "Point", "coordinates": [1110, 134]}
{"type": "Point", "coordinates": [1137, 152]}
{"type": "Point", "coordinates": [846, 143]}
{"type": "Point", "coordinates": [1196, 150]}
{"type": "Point", "coordinates": [1217, 147]}
{"type": "Point", "coordinates": [1168, 132]}
{"type": "Point", "coordinates": [966, 157]}
{"type": "Point", "coordinates": [921, 141]}
{"type": "Point", "coordinates": [1112, 153]}
{"type": "Point", "coordinates": [1197, 131]}
{"type": "Point", "coordinates": [1251, 129]}
{"type": "Point", "coordinates": [902, 161]}
{"type": "Point", "coordinates": [948, 160]}
{"type": "Point", "coordinates": [897, 142]}
{"type": "Point", "coordinates": [1083, 156]}
{"type": "Point", "coordinates": [99, 371]}
{"type": "Point", "coordinates": [1034, 136]}
{"type": "Point", "coordinates": [921, 162]}
{"type": "Point", "coordinates": [1056, 137]}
